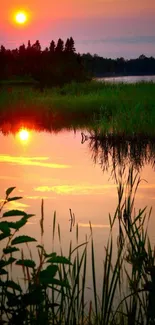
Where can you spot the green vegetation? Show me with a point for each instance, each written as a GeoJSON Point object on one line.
{"type": "Point", "coordinates": [53, 290]}
{"type": "Point", "coordinates": [19, 81]}
{"type": "Point", "coordinates": [118, 108]}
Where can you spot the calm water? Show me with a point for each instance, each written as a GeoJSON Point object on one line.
{"type": "Point", "coordinates": [62, 170]}
{"type": "Point", "coordinates": [128, 79]}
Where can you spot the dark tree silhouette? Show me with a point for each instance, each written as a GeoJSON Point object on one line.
{"type": "Point", "coordinates": [70, 45]}
{"type": "Point", "coordinates": [52, 47]}
{"type": "Point", "coordinates": [3, 50]}
{"type": "Point", "coordinates": [59, 63]}
{"type": "Point", "coordinates": [36, 46]}
{"type": "Point", "coordinates": [60, 46]}
{"type": "Point", "coordinates": [29, 45]}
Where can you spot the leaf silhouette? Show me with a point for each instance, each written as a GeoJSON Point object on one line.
{"type": "Point", "coordinates": [18, 224]}
{"type": "Point", "coordinates": [9, 190]}
{"type": "Point", "coordinates": [4, 235]}
{"type": "Point", "coordinates": [34, 297]}
{"type": "Point", "coordinates": [22, 239]}
{"type": "Point", "coordinates": [27, 263]}
{"type": "Point", "coordinates": [13, 285]}
{"type": "Point", "coordinates": [46, 276]}
{"type": "Point", "coordinates": [14, 198]}
{"type": "Point", "coordinates": [59, 260]}
{"type": "Point", "coordinates": [3, 272]}
{"type": "Point", "coordinates": [10, 249]}
{"type": "Point", "coordinates": [14, 213]}
{"type": "Point", "coordinates": [4, 227]}
{"type": "Point", "coordinates": [3, 263]}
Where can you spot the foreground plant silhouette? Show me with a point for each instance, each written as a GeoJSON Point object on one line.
{"type": "Point", "coordinates": [30, 305]}
{"type": "Point", "coordinates": [55, 288]}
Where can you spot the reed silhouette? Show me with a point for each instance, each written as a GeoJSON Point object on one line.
{"type": "Point", "coordinates": [113, 150]}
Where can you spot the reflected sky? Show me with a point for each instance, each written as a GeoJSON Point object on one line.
{"type": "Point", "coordinates": [60, 169]}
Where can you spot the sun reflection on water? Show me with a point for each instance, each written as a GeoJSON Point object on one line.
{"type": "Point", "coordinates": [24, 135]}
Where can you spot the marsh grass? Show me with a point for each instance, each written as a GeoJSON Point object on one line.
{"type": "Point", "coordinates": [121, 108]}
{"type": "Point", "coordinates": [55, 287]}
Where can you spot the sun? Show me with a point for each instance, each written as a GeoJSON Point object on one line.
{"type": "Point", "coordinates": [23, 134]}
{"type": "Point", "coordinates": [21, 17]}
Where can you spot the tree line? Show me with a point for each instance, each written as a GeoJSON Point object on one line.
{"type": "Point", "coordinates": [59, 63]}
{"type": "Point", "coordinates": [55, 65]}
{"type": "Point", "coordinates": [99, 66]}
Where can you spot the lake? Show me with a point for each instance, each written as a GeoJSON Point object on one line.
{"type": "Point", "coordinates": [68, 169]}
{"type": "Point", "coordinates": [62, 170]}
{"type": "Point", "coordinates": [74, 171]}
{"type": "Point", "coordinates": [128, 79]}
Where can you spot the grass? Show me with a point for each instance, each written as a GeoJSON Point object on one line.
{"type": "Point", "coordinates": [119, 108]}
{"type": "Point", "coordinates": [55, 286]}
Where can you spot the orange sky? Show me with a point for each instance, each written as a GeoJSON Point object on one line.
{"type": "Point", "coordinates": [81, 8]}
{"type": "Point", "coordinates": [85, 20]}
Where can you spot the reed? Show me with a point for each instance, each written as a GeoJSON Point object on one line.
{"type": "Point", "coordinates": [117, 107]}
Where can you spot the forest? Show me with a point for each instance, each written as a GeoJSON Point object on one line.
{"type": "Point", "coordinates": [60, 63]}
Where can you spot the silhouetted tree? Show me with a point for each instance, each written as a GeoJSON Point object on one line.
{"type": "Point", "coordinates": [60, 46]}
{"type": "Point", "coordinates": [59, 64]}
{"type": "Point", "coordinates": [142, 57]}
{"type": "Point", "coordinates": [70, 45]}
{"type": "Point", "coordinates": [36, 46]}
{"type": "Point", "coordinates": [52, 47]}
{"type": "Point", "coordinates": [29, 45]}
{"type": "Point", "coordinates": [22, 49]}
{"type": "Point", "coordinates": [3, 50]}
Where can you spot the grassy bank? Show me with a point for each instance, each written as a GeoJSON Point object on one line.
{"type": "Point", "coordinates": [55, 286]}
{"type": "Point", "coordinates": [117, 107]}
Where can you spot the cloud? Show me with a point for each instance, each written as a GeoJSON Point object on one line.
{"type": "Point", "coordinates": [31, 161]}
{"type": "Point", "coordinates": [75, 189]}
{"type": "Point", "coordinates": [16, 205]}
{"type": "Point", "coordinates": [37, 197]}
{"type": "Point", "coordinates": [130, 40]}
{"type": "Point", "coordinates": [88, 189]}
{"type": "Point", "coordinates": [87, 225]}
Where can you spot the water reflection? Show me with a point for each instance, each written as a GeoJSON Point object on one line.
{"type": "Point", "coordinates": [107, 150]}
{"type": "Point", "coordinates": [24, 134]}
{"type": "Point", "coordinates": [118, 150]}
{"type": "Point", "coordinates": [50, 123]}
{"type": "Point", "coordinates": [128, 79]}
{"type": "Point", "coordinates": [56, 166]}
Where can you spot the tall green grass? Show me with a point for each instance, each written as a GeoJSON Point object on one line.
{"type": "Point", "coordinates": [121, 108]}
{"type": "Point", "coordinates": [53, 290]}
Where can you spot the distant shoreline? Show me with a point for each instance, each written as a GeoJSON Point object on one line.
{"type": "Point", "coordinates": [123, 75]}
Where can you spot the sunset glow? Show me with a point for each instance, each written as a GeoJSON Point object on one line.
{"type": "Point", "coordinates": [129, 25]}
{"type": "Point", "coordinates": [21, 17]}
